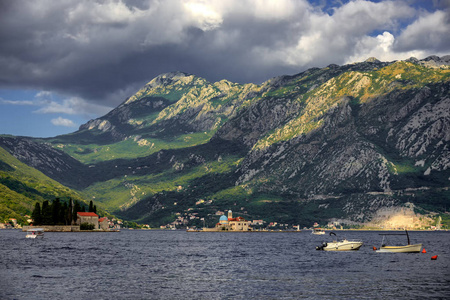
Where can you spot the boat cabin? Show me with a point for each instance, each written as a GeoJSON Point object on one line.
{"type": "Point", "coordinates": [35, 233]}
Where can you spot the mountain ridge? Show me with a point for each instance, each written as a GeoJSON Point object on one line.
{"type": "Point", "coordinates": [340, 142]}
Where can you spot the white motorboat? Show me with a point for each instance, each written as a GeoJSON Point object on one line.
{"type": "Point", "coordinates": [415, 248]}
{"type": "Point", "coordinates": [35, 233]}
{"type": "Point", "coordinates": [410, 248]}
{"type": "Point", "coordinates": [342, 245]}
{"type": "Point", "coordinates": [318, 231]}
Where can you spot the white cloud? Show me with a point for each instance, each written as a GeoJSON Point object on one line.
{"type": "Point", "coordinates": [71, 106]}
{"type": "Point", "coordinates": [380, 47]}
{"type": "Point", "coordinates": [430, 31]}
{"type": "Point", "coordinates": [16, 102]}
{"type": "Point", "coordinates": [44, 96]}
{"type": "Point", "coordinates": [207, 18]}
{"type": "Point", "coordinates": [276, 10]}
{"type": "Point", "coordinates": [63, 122]}
{"type": "Point", "coordinates": [346, 33]}
{"type": "Point", "coordinates": [49, 103]}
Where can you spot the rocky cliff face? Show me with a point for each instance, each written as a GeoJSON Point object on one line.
{"type": "Point", "coordinates": [358, 153]}
{"type": "Point", "coordinates": [371, 133]}
{"type": "Point", "coordinates": [337, 142]}
{"type": "Point", "coordinates": [170, 104]}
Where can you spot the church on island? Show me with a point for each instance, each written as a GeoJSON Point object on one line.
{"type": "Point", "coordinates": [231, 224]}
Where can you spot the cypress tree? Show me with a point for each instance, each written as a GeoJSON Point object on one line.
{"type": "Point", "coordinates": [56, 208]}
{"type": "Point", "coordinates": [62, 214]}
{"type": "Point", "coordinates": [47, 213]}
{"type": "Point", "coordinates": [91, 206]}
{"type": "Point", "coordinates": [44, 205]}
{"type": "Point", "coordinates": [36, 215]}
{"type": "Point", "coordinates": [76, 208]}
{"type": "Point", "coordinates": [95, 208]}
{"type": "Point", "coordinates": [69, 213]}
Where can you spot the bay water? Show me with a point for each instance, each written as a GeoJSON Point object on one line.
{"type": "Point", "coordinates": [159, 264]}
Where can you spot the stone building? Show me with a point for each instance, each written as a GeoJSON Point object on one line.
{"type": "Point", "coordinates": [87, 217]}
{"type": "Point", "coordinates": [103, 223]}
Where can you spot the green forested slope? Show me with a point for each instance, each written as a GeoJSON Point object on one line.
{"type": "Point", "coordinates": [22, 186]}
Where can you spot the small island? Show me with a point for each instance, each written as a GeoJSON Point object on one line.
{"type": "Point", "coordinates": [69, 217]}
{"type": "Point", "coordinates": [228, 223]}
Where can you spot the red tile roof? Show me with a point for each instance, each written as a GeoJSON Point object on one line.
{"type": "Point", "coordinates": [102, 219]}
{"type": "Point", "coordinates": [87, 214]}
{"type": "Point", "coordinates": [236, 219]}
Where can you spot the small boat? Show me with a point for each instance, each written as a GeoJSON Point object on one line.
{"type": "Point", "coordinates": [317, 231]}
{"type": "Point", "coordinates": [35, 233]}
{"type": "Point", "coordinates": [410, 248]}
{"type": "Point", "coordinates": [342, 245]}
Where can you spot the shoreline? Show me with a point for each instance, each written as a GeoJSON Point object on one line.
{"type": "Point", "coordinates": [307, 230]}
{"type": "Point", "coordinates": [65, 228]}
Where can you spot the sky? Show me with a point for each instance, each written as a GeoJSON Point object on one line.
{"type": "Point", "coordinates": [65, 62]}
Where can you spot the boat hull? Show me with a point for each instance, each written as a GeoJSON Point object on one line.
{"type": "Point", "coordinates": [401, 249]}
{"type": "Point", "coordinates": [34, 236]}
{"type": "Point", "coordinates": [343, 246]}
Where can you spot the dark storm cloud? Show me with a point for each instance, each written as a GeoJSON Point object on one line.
{"type": "Point", "coordinates": [104, 51]}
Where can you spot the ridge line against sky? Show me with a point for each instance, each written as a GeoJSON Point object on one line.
{"type": "Point", "coordinates": [65, 62]}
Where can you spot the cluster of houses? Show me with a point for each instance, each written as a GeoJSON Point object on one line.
{"type": "Point", "coordinates": [9, 224]}
{"type": "Point", "coordinates": [226, 223]}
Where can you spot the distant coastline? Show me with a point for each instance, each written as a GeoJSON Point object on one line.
{"type": "Point", "coordinates": [307, 230]}
{"type": "Point", "coordinates": [65, 228]}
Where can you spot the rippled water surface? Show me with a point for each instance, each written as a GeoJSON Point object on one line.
{"type": "Point", "coordinates": [134, 264]}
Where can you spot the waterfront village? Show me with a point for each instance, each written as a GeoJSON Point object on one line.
{"type": "Point", "coordinates": [218, 220]}
{"type": "Point", "coordinates": [394, 220]}
{"type": "Point", "coordinates": [92, 222]}
{"type": "Point", "coordinates": [226, 222]}
{"type": "Point", "coordinates": [398, 218]}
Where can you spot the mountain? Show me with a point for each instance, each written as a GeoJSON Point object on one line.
{"type": "Point", "coordinates": [340, 142]}
{"type": "Point", "coordinates": [22, 186]}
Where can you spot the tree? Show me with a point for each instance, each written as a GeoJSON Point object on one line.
{"type": "Point", "coordinates": [95, 208]}
{"type": "Point", "coordinates": [87, 226]}
{"type": "Point", "coordinates": [69, 213]}
{"type": "Point", "coordinates": [76, 208]}
{"type": "Point", "coordinates": [56, 209]}
{"type": "Point", "coordinates": [47, 213]}
{"type": "Point", "coordinates": [36, 215]}
{"type": "Point", "coordinates": [63, 213]}
{"type": "Point", "coordinates": [91, 206]}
